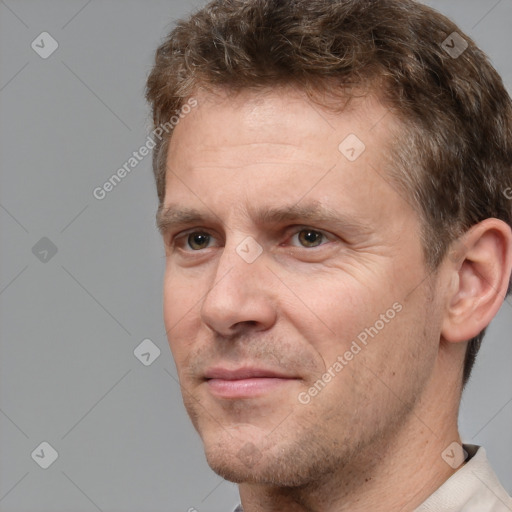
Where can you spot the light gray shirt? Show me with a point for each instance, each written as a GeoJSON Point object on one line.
{"type": "Point", "coordinates": [474, 487]}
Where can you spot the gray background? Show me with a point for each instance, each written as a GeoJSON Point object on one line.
{"type": "Point", "coordinates": [69, 325]}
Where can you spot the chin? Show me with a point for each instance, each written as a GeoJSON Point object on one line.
{"type": "Point", "coordinates": [281, 466]}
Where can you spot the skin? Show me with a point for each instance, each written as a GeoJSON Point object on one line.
{"type": "Point", "coordinates": [372, 437]}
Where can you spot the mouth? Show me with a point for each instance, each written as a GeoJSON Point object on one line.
{"type": "Point", "coordinates": [245, 382]}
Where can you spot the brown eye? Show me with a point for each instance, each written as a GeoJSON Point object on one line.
{"type": "Point", "coordinates": [198, 241]}
{"type": "Point", "coordinates": [310, 237]}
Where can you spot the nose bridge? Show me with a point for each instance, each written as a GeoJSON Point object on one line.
{"type": "Point", "coordinates": [238, 293]}
{"type": "Point", "coordinates": [240, 260]}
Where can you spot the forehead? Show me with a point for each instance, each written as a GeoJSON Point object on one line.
{"type": "Point", "coordinates": [279, 117]}
{"type": "Point", "coordinates": [275, 147]}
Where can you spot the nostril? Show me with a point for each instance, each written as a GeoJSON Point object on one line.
{"type": "Point", "coordinates": [245, 324]}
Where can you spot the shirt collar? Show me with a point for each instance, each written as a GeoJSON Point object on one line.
{"type": "Point", "coordinates": [474, 487]}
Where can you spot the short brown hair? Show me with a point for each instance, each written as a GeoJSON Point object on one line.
{"type": "Point", "coordinates": [453, 156]}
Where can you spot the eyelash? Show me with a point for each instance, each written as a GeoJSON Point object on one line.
{"type": "Point", "coordinates": [175, 240]}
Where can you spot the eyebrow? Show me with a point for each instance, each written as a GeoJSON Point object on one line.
{"type": "Point", "coordinates": [173, 217]}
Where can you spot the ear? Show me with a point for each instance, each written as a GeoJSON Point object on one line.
{"type": "Point", "coordinates": [479, 271]}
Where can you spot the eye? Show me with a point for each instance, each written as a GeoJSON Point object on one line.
{"type": "Point", "coordinates": [193, 241]}
{"type": "Point", "coordinates": [198, 240]}
{"type": "Point", "coordinates": [309, 237]}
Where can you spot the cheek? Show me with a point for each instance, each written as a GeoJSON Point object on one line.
{"type": "Point", "coordinates": [331, 312]}
{"type": "Point", "coordinates": [181, 291]}
{"type": "Point", "coordinates": [172, 305]}
{"type": "Point", "coordinates": [181, 303]}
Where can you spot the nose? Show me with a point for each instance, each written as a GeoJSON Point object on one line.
{"type": "Point", "coordinates": [240, 297]}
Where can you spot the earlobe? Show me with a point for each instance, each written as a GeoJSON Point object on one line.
{"type": "Point", "coordinates": [480, 275]}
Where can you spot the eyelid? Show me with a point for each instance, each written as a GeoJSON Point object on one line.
{"type": "Point", "coordinates": [299, 227]}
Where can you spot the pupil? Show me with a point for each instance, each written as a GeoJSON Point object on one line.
{"type": "Point", "coordinates": [198, 240]}
{"type": "Point", "coordinates": [310, 237]}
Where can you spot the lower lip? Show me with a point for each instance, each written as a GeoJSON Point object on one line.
{"type": "Point", "coordinates": [245, 388]}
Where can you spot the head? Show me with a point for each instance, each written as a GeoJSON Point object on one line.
{"type": "Point", "coordinates": [334, 213]}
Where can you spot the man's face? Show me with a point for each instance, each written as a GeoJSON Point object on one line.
{"type": "Point", "coordinates": [302, 255]}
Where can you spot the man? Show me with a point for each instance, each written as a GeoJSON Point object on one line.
{"type": "Point", "coordinates": [338, 237]}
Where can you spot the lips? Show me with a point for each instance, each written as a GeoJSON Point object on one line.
{"type": "Point", "coordinates": [245, 382]}
{"type": "Point", "coordinates": [243, 373]}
